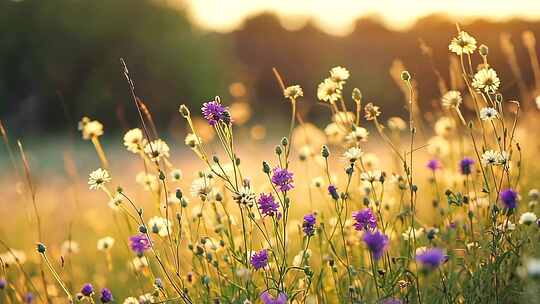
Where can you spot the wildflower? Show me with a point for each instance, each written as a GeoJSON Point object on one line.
{"type": "Point", "coordinates": [134, 140]}
{"type": "Point", "coordinates": [372, 111]}
{"type": "Point", "coordinates": [364, 220]}
{"type": "Point", "coordinates": [115, 202]}
{"type": "Point", "coordinates": [259, 259]}
{"type": "Point", "coordinates": [328, 91]}
{"type": "Point", "coordinates": [465, 165]}
{"type": "Point", "coordinates": [339, 74]}
{"type": "Point", "coordinates": [214, 112]}
{"type": "Point", "coordinates": [176, 174]}
{"type": "Point", "coordinates": [160, 226]}
{"type": "Point", "coordinates": [444, 126]}
{"type": "Point", "coordinates": [156, 149]}
{"type": "Point", "coordinates": [396, 124]}
{"type": "Point", "coordinates": [106, 295]}
{"type": "Point", "coordinates": [105, 244]}
{"type": "Point", "coordinates": [534, 194]}
{"type": "Point", "coordinates": [317, 182]}
{"type": "Point", "coordinates": [90, 128]}
{"type": "Point", "coordinates": [452, 99]}
{"type": "Point", "coordinates": [376, 242]}
{"type": "Point", "coordinates": [139, 243]}
{"type": "Point", "coordinates": [245, 196]}
{"type": "Point", "coordinates": [29, 298]}
{"type": "Point", "coordinates": [267, 204]}
{"type": "Point", "coordinates": [87, 290]}
{"type": "Point", "coordinates": [434, 164]}
{"type": "Point", "coordinates": [527, 218]}
{"type": "Point", "coordinates": [98, 179]}
{"type": "Point", "coordinates": [357, 135]}
{"type": "Point", "coordinates": [149, 182]}
{"type": "Point", "coordinates": [491, 157]}
{"type": "Point", "coordinates": [332, 190]}
{"type": "Point", "coordinates": [353, 154]}
{"type": "Point", "coordinates": [293, 92]}
{"type": "Point", "coordinates": [538, 102]}
{"type": "Point", "coordinates": [488, 113]}
{"type": "Point", "coordinates": [192, 140]}
{"type": "Point", "coordinates": [509, 198]}
{"type": "Point", "coordinates": [412, 233]}
{"type": "Point", "coordinates": [309, 224]}
{"type": "Point", "coordinates": [139, 263]}
{"type": "Point", "coordinates": [146, 298]}
{"type": "Point", "coordinates": [533, 267]}
{"type": "Point", "coordinates": [486, 80]}
{"type": "Point", "coordinates": [438, 146]}
{"type": "Point", "coordinates": [3, 283]}
{"type": "Point", "coordinates": [283, 179]}
{"type": "Point", "coordinates": [201, 187]}
{"type": "Point", "coordinates": [266, 298]}
{"type": "Point", "coordinates": [462, 44]}
{"type": "Point", "coordinates": [131, 300]}
{"type": "Point", "coordinates": [431, 258]}
{"type": "Point", "coordinates": [371, 176]}
{"type": "Point", "coordinates": [507, 225]}
{"type": "Point", "coordinates": [69, 247]}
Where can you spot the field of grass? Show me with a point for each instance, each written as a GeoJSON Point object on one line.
{"type": "Point", "coordinates": [439, 206]}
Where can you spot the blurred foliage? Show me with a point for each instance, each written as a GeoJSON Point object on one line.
{"type": "Point", "coordinates": [67, 52]}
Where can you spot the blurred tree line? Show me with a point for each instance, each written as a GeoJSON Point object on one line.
{"type": "Point", "coordinates": [62, 56]}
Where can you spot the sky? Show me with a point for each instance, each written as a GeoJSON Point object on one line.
{"type": "Point", "coordinates": [337, 16]}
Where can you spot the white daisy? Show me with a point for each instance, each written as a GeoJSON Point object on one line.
{"type": "Point", "coordinates": [527, 218]}
{"type": "Point", "coordinates": [160, 225]}
{"type": "Point", "coordinates": [488, 114]}
{"type": "Point", "coordinates": [339, 74]}
{"type": "Point", "coordinates": [192, 140]}
{"type": "Point", "coordinates": [200, 187]}
{"type": "Point", "coordinates": [156, 149]}
{"type": "Point", "coordinates": [452, 99]}
{"type": "Point", "coordinates": [90, 128]}
{"type": "Point", "coordinates": [176, 174]}
{"type": "Point", "coordinates": [105, 244]}
{"type": "Point", "coordinates": [357, 135]}
{"type": "Point", "coordinates": [149, 182]}
{"type": "Point", "coordinates": [396, 124]}
{"type": "Point", "coordinates": [131, 300]}
{"type": "Point", "coordinates": [69, 247]}
{"type": "Point", "coordinates": [293, 92]}
{"type": "Point", "coordinates": [462, 44]}
{"type": "Point", "coordinates": [134, 140]}
{"type": "Point", "coordinates": [491, 157]}
{"type": "Point", "coordinates": [328, 91]}
{"type": "Point", "coordinates": [353, 154]}
{"type": "Point", "coordinates": [371, 176]}
{"type": "Point", "coordinates": [486, 80]}
{"type": "Point", "coordinates": [98, 179]}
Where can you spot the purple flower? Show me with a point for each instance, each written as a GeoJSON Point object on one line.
{"type": "Point", "coordinates": [28, 298]}
{"type": "Point", "coordinates": [139, 243]}
{"type": "Point", "coordinates": [309, 223]}
{"type": "Point", "coordinates": [87, 290]}
{"type": "Point", "coordinates": [465, 165]}
{"type": "Point", "coordinates": [431, 258]}
{"type": "Point", "coordinates": [364, 219]}
{"type": "Point", "coordinates": [259, 259]}
{"type": "Point", "coordinates": [538, 222]}
{"type": "Point", "coordinates": [3, 284]}
{"type": "Point", "coordinates": [391, 301]}
{"type": "Point", "coordinates": [267, 298]}
{"type": "Point", "coordinates": [106, 295]}
{"type": "Point", "coordinates": [509, 198]}
{"type": "Point", "coordinates": [377, 243]}
{"type": "Point", "coordinates": [267, 204]}
{"type": "Point", "coordinates": [434, 164]}
{"type": "Point", "coordinates": [282, 178]}
{"type": "Point", "coordinates": [332, 190]}
{"type": "Point", "coordinates": [214, 112]}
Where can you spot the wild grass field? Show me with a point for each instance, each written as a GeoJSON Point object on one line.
{"type": "Point", "coordinates": [439, 206]}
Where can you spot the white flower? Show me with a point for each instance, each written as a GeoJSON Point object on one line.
{"type": "Point", "coordinates": [98, 179]}
{"type": "Point", "coordinates": [131, 300]}
{"type": "Point", "coordinates": [69, 247]}
{"type": "Point", "coordinates": [396, 124]}
{"type": "Point", "coordinates": [488, 113]}
{"type": "Point", "coordinates": [149, 182]}
{"type": "Point", "coordinates": [444, 126]}
{"type": "Point", "coordinates": [115, 202]}
{"type": "Point", "coordinates": [245, 196]}
{"type": "Point", "coordinates": [146, 298]}
{"type": "Point", "coordinates": [192, 140]}
{"type": "Point", "coordinates": [507, 225]}
{"type": "Point", "coordinates": [105, 244]}
{"type": "Point", "coordinates": [12, 256]}
{"type": "Point", "coordinates": [353, 154]}
{"type": "Point", "coordinates": [533, 267]}
{"type": "Point", "coordinates": [538, 102]}
{"type": "Point", "coordinates": [491, 157]}
{"type": "Point", "coordinates": [318, 182]}
{"type": "Point", "coordinates": [302, 256]}
{"type": "Point", "coordinates": [534, 194]}
{"type": "Point", "coordinates": [293, 92]}
{"type": "Point", "coordinates": [418, 232]}
{"type": "Point", "coordinates": [486, 80]}
{"type": "Point", "coordinates": [200, 187]}
{"type": "Point", "coordinates": [139, 263]}
{"type": "Point", "coordinates": [90, 128]}
{"type": "Point", "coordinates": [339, 74]}
{"type": "Point", "coordinates": [156, 149]}
{"type": "Point", "coordinates": [134, 140]}
{"type": "Point", "coordinates": [176, 174]}
{"type": "Point", "coordinates": [357, 135]}
{"type": "Point", "coordinates": [438, 146]}
{"type": "Point", "coordinates": [305, 152]}
{"type": "Point", "coordinates": [462, 44]}
{"type": "Point", "coordinates": [329, 91]}
{"type": "Point", "coordinates": [160, 225]}
{"type": "Point", "coordinates": [527, 218]}
{"type": "Point", "coordinates": [371, 176]}
{"type": "Point", "coordinates": [370, 161]}
{"type": "Point", "coordinates": [452, 99]}
{"type": "Point", "coordinates": [334, 132]}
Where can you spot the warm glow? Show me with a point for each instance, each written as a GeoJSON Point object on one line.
{"type": "Point", "coordinates": [336, 16]}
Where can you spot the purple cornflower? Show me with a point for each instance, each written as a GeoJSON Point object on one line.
{"type": "Point", "coordinates": [139, 243]}
{"type": "Point", "coordinates": [332, 190]}
{"type": "Point", "coordinates": [282, 178]}
{"type": "Point", "coordinates": [431, 258]}
{"type": "Point", "coordinates": [509, 198]}
{"type": "Point", "coordinates": [465, 165]}
{"type": "Point", "coordinates": [377, 243]}
{"type": "Point", "coordinates": [87, 290]}
{"type": "Point", "coordinates": [309, 224]}
{"type": "Point", "coordinates": [106, 295]}
{"type": "Point", "coordinates": [267, 298]}
{"type": "Point", "coordinates": [3, 284]}
{"type": "Point", "coordinates": [434, 164]}
{"type": "Point", "coordinates": [214, 112]}
{"type": "Point", "coordinates": [29, 298]}
{"type": "Point", "coordinates": [267, 204]}
{"type": "Point", "coordinates": [259, 259]}
{"type": "Point", "coordinates": [364, 219]}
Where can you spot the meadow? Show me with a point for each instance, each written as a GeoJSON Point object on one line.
{"type": "Point", "coordinates": [439, 206]}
